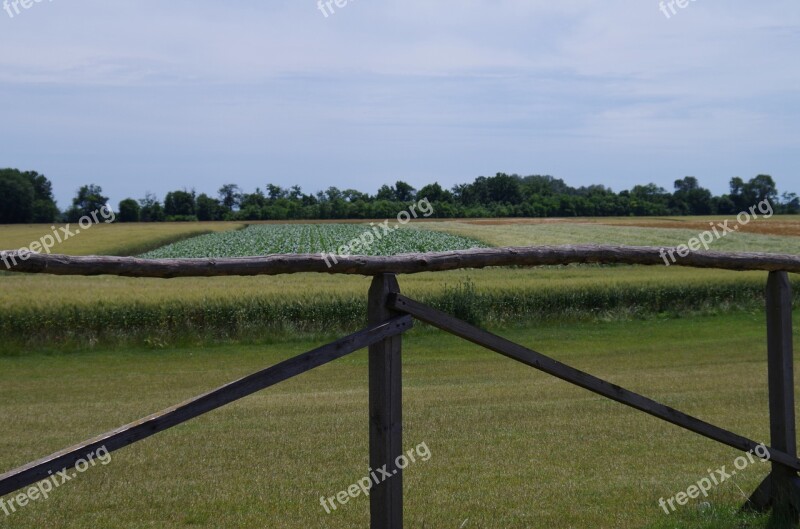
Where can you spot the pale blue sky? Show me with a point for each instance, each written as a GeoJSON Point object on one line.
{"type": "Point", "coordinates": [153, 96]}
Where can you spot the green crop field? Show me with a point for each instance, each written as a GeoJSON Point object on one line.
{"type": "Point", "coordinates": [264, 239]}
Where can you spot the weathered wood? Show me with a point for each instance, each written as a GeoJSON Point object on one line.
{"type": "Point", "coordinates": [399, 264]}
{"type": "Point", "coordinates": [781, 390]}
{"type": "Point", "coordinates": [158, 422]}
{"type": "Point", "coordinates": [385, 410]}
{"type": "Point", "coordinates": [580, 378]}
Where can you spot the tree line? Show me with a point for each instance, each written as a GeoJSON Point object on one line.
{"type": "Point", "coordinates": [27, 197]}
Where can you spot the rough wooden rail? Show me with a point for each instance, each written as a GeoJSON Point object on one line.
{"type": "Point", "coordinates": [399, 264]}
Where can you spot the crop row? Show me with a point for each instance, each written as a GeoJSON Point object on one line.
{"type": "Point", "coordinates": [262, 239]}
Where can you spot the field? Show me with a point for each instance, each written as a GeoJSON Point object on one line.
{"type": "Point", "coordinates": [111, 239]}
{"type": "Point", "coordinates": [510, 447]}
{"type": "Point", "coordinates": [70, 312]}
{"type": "Point", "coordinates": [265, 239]}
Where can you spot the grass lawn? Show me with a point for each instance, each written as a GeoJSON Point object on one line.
{"type": "Point", "coordinates": [510, 447]}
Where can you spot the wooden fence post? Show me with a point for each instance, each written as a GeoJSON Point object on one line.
{"type": "Point", "coordinates": [783, 434]}
{"type": "Point", "coordinates": [780, 490]}
{"type": "Point", "coordinates": [385, 412]}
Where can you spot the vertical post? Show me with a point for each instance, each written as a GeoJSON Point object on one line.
{"type": "Point", "coordinates": [385, 412]}
{"type": "Point", "coordinates": [783, 435]}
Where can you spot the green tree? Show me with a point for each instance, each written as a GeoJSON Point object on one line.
{"type": "Point", "coordinates": [44, 205]}
{"type": "Point", "coordinates": [504, 189]}
{"type": "Point", "coordinates": [689, 198]}
{"type": "Point", "coordinates": [150, 209]}
{"type": "Point", "coordinates": [16, 197]}
{"type": "Point", "coordinates": [88, 200]}
{"type": "Point", "coordinates": [434, 193]}
{"type": "Point", "coordinates": [128, 211]}
{"type": "Point", "coordinates": [229, 196]}
{"type": "Point", "coordinates": [180, 204]}
{"type": "Point", "coordinates": [209, 208]}
{"type": "Point", "coordinates": [791, 203]}
{"type": "Point", "coordinates": [403, 192]}
{"type": "Point", "coordinates": [746, 194]}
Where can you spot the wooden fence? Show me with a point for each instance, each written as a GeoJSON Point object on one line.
{"type": "Point", "coordinates": [390, 314]}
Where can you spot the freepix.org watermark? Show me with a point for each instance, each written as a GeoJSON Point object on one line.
{"type": "Point", "coordinates": [12, 7]}
{"type": "Point", "coordinates": [668, 6]}
{"type": "Point", "coordinates": [376, 232]}
{"type": "Point", "coordinates": [43, 489]}
{"type": "Point", "coordinates": [57, 236]}
{"type": "Point", "coordinates": [326, 6]}
{"type": "Point", "coordinates": [714, 479]}
{"type": "Point", "coordinates": [375, 477]}
{"type": "Point", "coordinates": [718, 230]}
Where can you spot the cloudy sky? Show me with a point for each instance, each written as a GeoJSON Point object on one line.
{"type": "Point", "coordinates": [154, 96]}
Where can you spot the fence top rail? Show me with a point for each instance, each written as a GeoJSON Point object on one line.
{"type": "Point", "coordinates": [398, 264]}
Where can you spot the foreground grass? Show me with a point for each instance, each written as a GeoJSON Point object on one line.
{"type": "Point", "coordinates": [511, 447]}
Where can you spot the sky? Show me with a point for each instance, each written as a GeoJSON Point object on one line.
{"type": "Point", "coordinates": [141, 96]}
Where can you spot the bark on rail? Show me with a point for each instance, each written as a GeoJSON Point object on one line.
{"type": "Point", "coordinates": [399, 264]}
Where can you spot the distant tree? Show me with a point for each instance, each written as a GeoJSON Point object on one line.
{"type": "Point", "coordinates": [545, 185]}
{"type": "Point", "coordinates": [689, 198]}
{"type": "Point", "coordinates": [649, 199]}
{"type": "Point", "coordinates": [352, 195]}
{"type": "Point", "coordinates": [385, 193]}
{"type": "Point", "coordinates": [44, 205]}
{"type": "Point", "coordinates": [253, 201]}
{"type": "Point", "coordinates": [333, 193]}
{"type": "Point", "coordinates": [209, 208]}
{"type": "Point", "coordinates": [504, 189]}
{"type": "Point", "coordinates": [403, 192]}
{"type": "Point", "coordinates": [296, 193]}
{"type": "Point", "coordinates": [399, 192]}
{"type": "Point", "coordinates": [745, 194]}
{"type": "Point", "coordinates": [275, 192]}
{"type": "Point", "coordinates": [229, 196]}
{"type": "Point", "coordinates": [151, 209]}
{"type": "Point", "coordinates": [180, 204]}
{"type": "Point", "coordinates": [434, 193]}
{"type": "Point", "coordinates": [89, 199]}
{"type": "Point", "coordinates": [128, 211]}
{"type": "Point", "coordinates": [761, 188]}
{"type": "Point", "coordinates": [16, 197]}
{"type": "Point", "coordinates": [791, 203]}
{"type": "Point", "coordinates": [26, 197]}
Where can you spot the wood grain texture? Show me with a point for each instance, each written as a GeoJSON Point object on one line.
{"type": "Point", "coordinates": [399, 264]}
{"type": "Point", "coordinates": [385, 409]}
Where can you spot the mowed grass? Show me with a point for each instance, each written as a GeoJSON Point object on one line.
{"type": "Point", "coordinates": [510, 447]}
